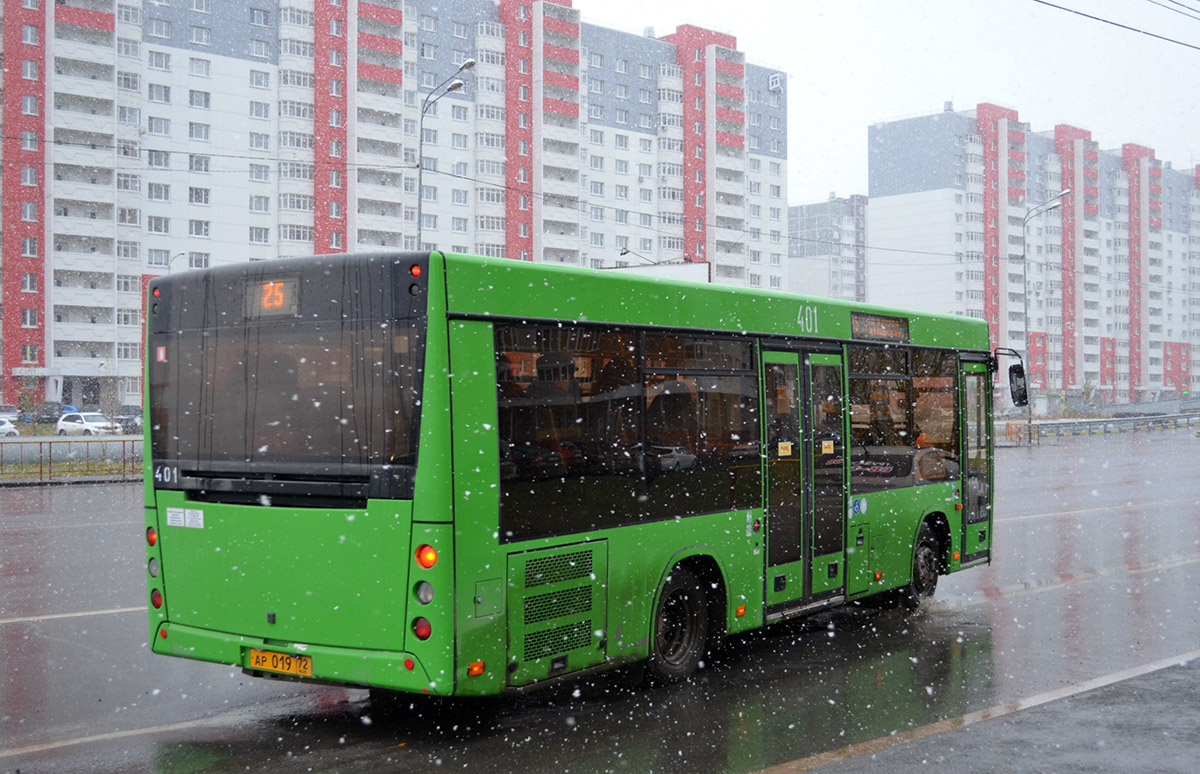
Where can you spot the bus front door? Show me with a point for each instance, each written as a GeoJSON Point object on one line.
{"type": "Point", "coordinates": [806, 475]}
{"type": "Point", "coordinates": [977, 472]}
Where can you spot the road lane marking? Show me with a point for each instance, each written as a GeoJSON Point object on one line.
{"type": "Point", "coordinates": [110, 611]}
{"type": "Point", "coordinates": [73, 525]}
{"type": "Point", "coordinates": [1102, 509]}
{"type": "Point", "coordinates": [182, 726]}
{"type": "Point", "coordinates": [873, 746]}
{"type": "Point", "coordinates": [1058, 582]}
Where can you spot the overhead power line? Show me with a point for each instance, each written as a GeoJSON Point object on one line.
{"type": "Point", "coordinates": [1118, 24]}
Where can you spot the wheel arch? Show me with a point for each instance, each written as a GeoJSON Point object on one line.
{"type": "Point", "coordinates": [939, 524]}
{"type": "Point", "coordinates": [702, 562]}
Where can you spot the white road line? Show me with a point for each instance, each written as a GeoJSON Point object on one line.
{"type": "Point", "coordinates": [27, 619]}
{"type": "Point", "coordinates": [73, 525]}
{"type": "Point", "coordinates": [1102, 509]}
{"type": "Point", "coordinates": [950, 724]}
{"type": "Point", "coordinates": [190, 724]}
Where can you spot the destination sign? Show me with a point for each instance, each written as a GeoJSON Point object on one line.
{"type": "Point", "coordinates": [876, 327]}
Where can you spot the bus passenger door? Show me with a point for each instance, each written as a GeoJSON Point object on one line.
{"type": "Point", "coordinates": [806, 476]}
{"type": "Point", "coordinates": [785, 482]}
{"type": "Point", "coordinates": [977, 467]}
{"type": "Point", "coordinates": [826, 448]}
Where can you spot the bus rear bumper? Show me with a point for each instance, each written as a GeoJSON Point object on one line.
{"type": "Point", "coordinates": [392, 670]}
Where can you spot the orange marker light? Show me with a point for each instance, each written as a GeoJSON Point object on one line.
{"type": "Point", "coordinates": [878, 575]}
{"type": "Point", "coordinates": [415, 270]}
{"type": "Point", "coordinates": [426, 556]}
{"type": "Point", "coordinates": [956, 556]}
{"type": "Point", "coordinates": [151, 535]}
{"type": "Point", "coordinates": [475, 668]}
{"type": "Point", "coordinates": [741, 611]}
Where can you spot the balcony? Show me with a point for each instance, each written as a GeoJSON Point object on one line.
{"type": "Point", "coordinates": [566, 242]}
{"type": "Point", "coordinates": [76, 296]}
{"type": "Point", "coordinates": [83, 332]}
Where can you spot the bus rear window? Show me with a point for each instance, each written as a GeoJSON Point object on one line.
{"type": "Point", "coordinates": [323, 399]}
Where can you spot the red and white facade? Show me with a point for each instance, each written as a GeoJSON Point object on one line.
{"type": "Point", "coordinates": [1097, 286]}
{"type": "Point", "coordinates": [142, 138]}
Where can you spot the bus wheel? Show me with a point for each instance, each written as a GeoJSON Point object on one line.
{"type": "Point", "coordinates": [924, 571]}
{"type": "Point", "coordinates": [680, 628]}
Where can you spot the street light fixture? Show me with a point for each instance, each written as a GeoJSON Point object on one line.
{"type": "Point", "coordinates": [171, 260]}
{"type": "Point", "coordinates": [453, 83]}
{"type": "Point", "coordinates": [1034, 211]}
{"type": "Point", "coordinates": [626, 251]}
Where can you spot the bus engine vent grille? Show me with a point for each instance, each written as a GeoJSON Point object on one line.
{"type": "Point", "coordinates": [556, 569]}
{"type": "Point", "coordinates": [560, 639]}
{"type": "Point", "coordinates": [558, 604]}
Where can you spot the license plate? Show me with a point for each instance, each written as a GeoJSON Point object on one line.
{"type": "Point", "coordinates": [285, 663]}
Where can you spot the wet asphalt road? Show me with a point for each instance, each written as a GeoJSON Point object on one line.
{"type": "Point", "coordinates": [1098, 561]}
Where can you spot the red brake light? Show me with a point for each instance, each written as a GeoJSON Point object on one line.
{"type": "Point", "coordinates": [415, 270]}
{"type": "Point", "coordinates": [427, 556]}
{"type": "Point", "coordinates": [156, 598]}
{"type": "Point", "coordinates": [151, 535]}
{"type": "Point", "coordinates": [422, 628]}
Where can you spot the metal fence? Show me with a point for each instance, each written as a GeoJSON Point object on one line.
{"type": "Point", "coordinates": [1017, 432]}
{"type": "Point", "coordinates": [46, 460]}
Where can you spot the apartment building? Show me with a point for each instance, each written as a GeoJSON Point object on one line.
{"type": "Point", "coordinates": [1100, 284]}
{"type": "Point", "coordinates": [827, 248]}
{"type": "Point", "coordinates": [143, 138]}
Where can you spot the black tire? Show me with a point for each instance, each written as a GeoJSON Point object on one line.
{"type": "Point", "coordinates": [681, 627]}
{"type": "Point", "coordinates": [62, 432]}
{"type": "Point", "coordinates": [927, 565]}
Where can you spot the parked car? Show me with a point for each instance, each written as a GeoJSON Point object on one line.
{"type": "Point", "coordinates": [8, 429]}
{"type": "Point", "coordinates": [47, 412]}
{"type": "Point", "coordinates": [130, 420]}
{"type": "Point", "coordinates": [86, 423]}
{"type": "Point", "coordinates": [11, 413]}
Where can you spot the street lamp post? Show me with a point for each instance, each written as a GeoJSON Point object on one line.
{"type": "Point", "coordinates": [171, 260]}
{"type": "Point", "coordinates": [437, 92]}
{"type": "Point", "coordinates": [626, 251]}
{"type": "Point", "coordinates": [1030, 214]}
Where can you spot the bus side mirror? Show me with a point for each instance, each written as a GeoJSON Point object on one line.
{"type": "Point", "coordinates": [1016, 385]}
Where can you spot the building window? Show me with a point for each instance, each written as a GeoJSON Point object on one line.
{"type": "Point", "coordinates": [159, 60]}
{"type": "Point", "coordinates": [29, 34]}
{"type": "Point", "coordinates": [201, 36]}
{"type": "Point", "coordinates": [259, 235]}
{"type": "Point", "coordinates": [199, 99]}
{"type": "Point", "coordinates": [29, 282]}
{"type": "Point", "coordinates": [29, 247]}
{"type": "Point", "coordinates": [29, 354]}
{"type": "Point", "coordinates": [29, 105]}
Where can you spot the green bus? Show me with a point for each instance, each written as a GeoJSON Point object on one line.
{"type": "Point", "coordinates": [459, 475]}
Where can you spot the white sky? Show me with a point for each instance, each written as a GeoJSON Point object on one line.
{"type": "Point", "coordinates": [854, 62]}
